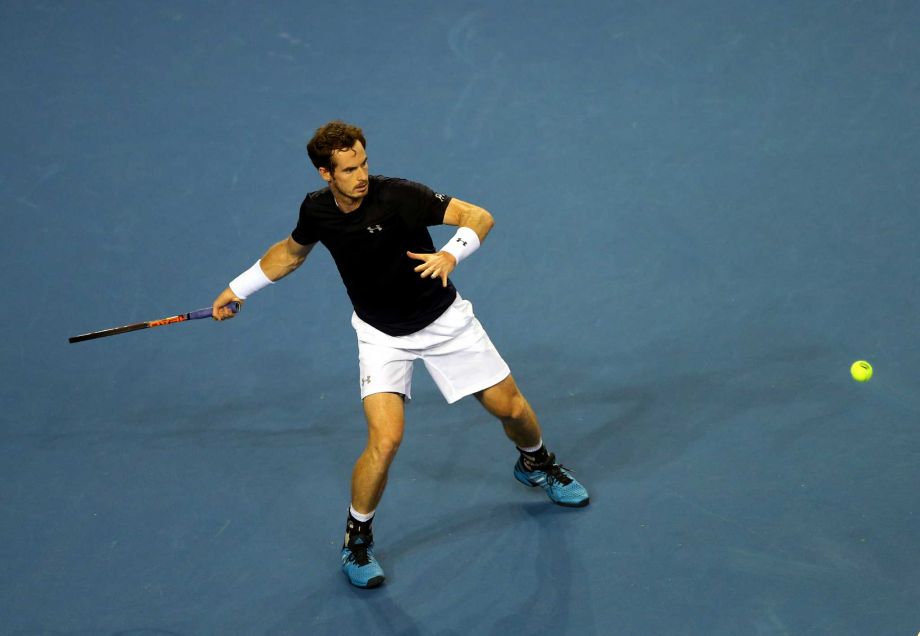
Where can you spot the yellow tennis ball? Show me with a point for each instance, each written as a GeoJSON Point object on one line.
{"type": "Point", "coordinates": [861, 371]}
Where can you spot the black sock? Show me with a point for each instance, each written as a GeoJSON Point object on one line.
{"type": "Point", "coordinates": [353, 528]}
{"type": "Point", "coordinates": [536, 458]}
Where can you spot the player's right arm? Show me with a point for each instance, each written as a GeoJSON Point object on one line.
{"type": "Point", "coordinates": [281, 259]}
{"type": "Point", "coordinates": [284, 257]}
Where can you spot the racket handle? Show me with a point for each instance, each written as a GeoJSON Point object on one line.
{"type": "Point", "coordinates": [206, 312]}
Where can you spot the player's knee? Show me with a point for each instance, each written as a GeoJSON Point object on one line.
{"type": "Point", "coordinates": [386, 446]}
{"type": "Point", "coordinates": [519, 407]}
{"type": "Point", "coordinates": [514, 408]}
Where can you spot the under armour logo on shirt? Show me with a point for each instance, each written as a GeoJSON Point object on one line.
{"type": "Point", "coordinates": [374, 228]}
{"type": "Point", "coordinates": [366, 380]}
{"type": "Point", "coordinates": [460, 240]}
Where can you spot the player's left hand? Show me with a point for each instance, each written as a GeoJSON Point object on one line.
{"type": "Point", "coordinates": [437, 265]}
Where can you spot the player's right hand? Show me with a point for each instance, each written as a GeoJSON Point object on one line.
{"type": "Point", "coordinates": [219, 309]}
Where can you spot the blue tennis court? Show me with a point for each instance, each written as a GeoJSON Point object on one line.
{"type": "Point", "coordinates": [705, 213]}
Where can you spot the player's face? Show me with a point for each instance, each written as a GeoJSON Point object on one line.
{"type": "Point", "coordinates": [349, 179]}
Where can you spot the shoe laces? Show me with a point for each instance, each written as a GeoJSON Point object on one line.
{"type": "Point", "coordinates": [555, 472]}
{"type": "Point", "coordinates": [357, 549]}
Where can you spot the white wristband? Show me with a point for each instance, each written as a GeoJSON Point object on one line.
{"type": "Point", "coordinates": [250, 281]}
{"type": "Point", "coordinates": [462, 244]}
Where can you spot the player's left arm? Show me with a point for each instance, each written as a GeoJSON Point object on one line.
{"type": "Point", "coordinates": [463, 214]}
{"type": "Point", "coordinates": [474, 225]}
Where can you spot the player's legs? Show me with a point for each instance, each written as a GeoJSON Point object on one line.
{"type": "Point", "coordinates": [506, 402]}
{"type": "Point", "coordinates": [536, 466]}
{"type": "Point", "coordinates": [385, 415]}
{"type": "Point", "coordinates": [465, 362]}
{"type": "Point", "coordinates": [385, 422]}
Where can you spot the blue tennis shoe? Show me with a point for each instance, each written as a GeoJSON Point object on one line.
{"type": "Point", "coordinates": [556, 480]}
{"type": "Point", "coordinates": [359, 563]}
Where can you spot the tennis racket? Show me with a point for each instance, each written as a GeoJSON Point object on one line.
{"type": "Point", "coordinates": [137, 326]}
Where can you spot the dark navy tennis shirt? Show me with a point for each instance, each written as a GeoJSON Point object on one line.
{"type": "Point", "coordinates": [369, 247]}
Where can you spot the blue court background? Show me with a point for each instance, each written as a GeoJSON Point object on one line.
{"type": "Point", "coordinates": [705, 212]}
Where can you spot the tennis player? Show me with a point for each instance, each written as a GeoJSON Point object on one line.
{"type": "Point", "coordinates": [405, 309]}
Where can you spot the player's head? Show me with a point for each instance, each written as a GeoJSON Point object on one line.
{"type": "Point", "coordinates": [332, 137]}
{"type": "Point", "coordinates": [337, 151]}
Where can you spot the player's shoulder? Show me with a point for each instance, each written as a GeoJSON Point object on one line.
{"type": "Point", "coordinates": [317, 201]}
{"type": "Point", "coordinates": [385, 183]}
{"type": "Point", "coordinates": [394, 188]}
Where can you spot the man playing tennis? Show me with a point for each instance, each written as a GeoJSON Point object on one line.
{"type": "Point", "coordinates": [405, 309]}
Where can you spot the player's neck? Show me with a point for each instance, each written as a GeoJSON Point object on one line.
{"type": "Point", "coordinates": [345, 203]}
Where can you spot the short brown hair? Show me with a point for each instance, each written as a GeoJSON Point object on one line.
{"type": "Point", "coordinates": [336, 135]}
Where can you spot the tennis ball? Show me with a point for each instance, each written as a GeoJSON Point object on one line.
{"type": "Point", "coordinates": [861, 371]}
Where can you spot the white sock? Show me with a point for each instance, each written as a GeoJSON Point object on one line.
{"type": "Point", "coordinates": [363, 518]}
{"type": "Point", "coordinates": [533, 449]}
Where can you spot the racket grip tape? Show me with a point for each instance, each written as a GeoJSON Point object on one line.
{"type": "Point", "coordinates": [206, 312]}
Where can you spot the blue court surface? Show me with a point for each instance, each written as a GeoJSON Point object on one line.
{"type": "Point", "coordinates": [706, 211]}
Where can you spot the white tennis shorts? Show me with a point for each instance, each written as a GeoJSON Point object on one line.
{"type": "Point", "coordinates": [455, 349]}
